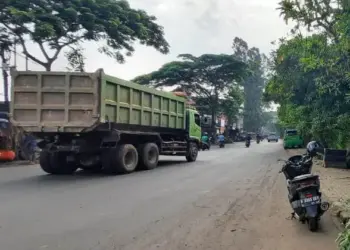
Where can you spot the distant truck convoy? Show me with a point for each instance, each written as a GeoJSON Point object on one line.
{"type": "Point", "coordinates": [97, 122]}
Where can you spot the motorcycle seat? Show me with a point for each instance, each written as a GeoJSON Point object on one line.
{"type": "Point", "coordinates": [304, 177]}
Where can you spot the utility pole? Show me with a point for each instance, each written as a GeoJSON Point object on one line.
{"type": "Point", "coordinates": [15, 53]}
{"type": "Point", "coordinates": [26, 63]}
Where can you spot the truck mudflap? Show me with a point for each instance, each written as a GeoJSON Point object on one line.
{"type": "Point", "coordinates": [312, 211]}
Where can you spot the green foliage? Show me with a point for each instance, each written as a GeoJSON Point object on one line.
{"type": "Point", "coordinates": [253, 85]}
{"type": "Point", "coordinates": [311, 82]}
{"type": "Point", "coordinates": [343, 239]}
{"type": "Point", "coordinates": [207, 78]}
{"type": "Point", "coordinates": [54, 25]}
{"type": "Point", "coordinates": [313, 14]}
{"type": "Point", "coordinates": [310, 78]}
{"type": "Point", "coordinates": [231, 104]}
{"type": "Point", "coordinates": [76, 59]}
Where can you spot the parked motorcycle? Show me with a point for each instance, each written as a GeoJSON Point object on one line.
{"type": "Point", "coordinates": [247, 143]}
{"type": "Point", "coordinates": [304, 189]}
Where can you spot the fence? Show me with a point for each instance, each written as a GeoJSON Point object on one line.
{"type": "Point", "coordinates": [334, 158]}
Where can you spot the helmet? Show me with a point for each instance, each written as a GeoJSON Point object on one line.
{"type": "Point", "coordinates": [312, 148]}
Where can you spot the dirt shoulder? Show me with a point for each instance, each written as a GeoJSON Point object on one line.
{"type": "Point", "coordinates": [253, 213]}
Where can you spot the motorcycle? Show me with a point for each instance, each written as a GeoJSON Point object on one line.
{"type": "Point", "coordinates": [247, 143]}
{"type": "Point", "coordinates": [304, 191]}
{"type": "Point", "coordinates": [205, 146]}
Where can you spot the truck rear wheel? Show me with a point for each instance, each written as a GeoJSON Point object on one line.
{"type": "Point", "coordinates": [56, 163]}
{"type": "Point", "coordinates": [192, 152]}
{"type": "Point", "coordinates": [120, 160]}
{"type": "Point", "coordinates": [148, 156]}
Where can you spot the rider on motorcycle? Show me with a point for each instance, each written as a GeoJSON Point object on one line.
{"type": "Point", "coordinates": [221, 138]}
{"type": "Point", "coordinates": [205, 138]}
{"type": "Point", "coordinates": [248, 138]}
{"type": "Point", "coordinates": [258, 137]}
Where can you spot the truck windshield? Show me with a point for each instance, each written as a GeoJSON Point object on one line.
{"type": "Point", "coordinates": [197, 119]}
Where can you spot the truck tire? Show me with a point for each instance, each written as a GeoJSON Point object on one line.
{"type": "Point", "coordinates": [148, 156]}
{"type": "Point", "coordinates": [45, 163]}
{"type": "Point", "coordinates": [120, 160]}
{"type": "Point", "coordinates": [56, 163]}
{"type": "Point", "coordinates": [192, 152]}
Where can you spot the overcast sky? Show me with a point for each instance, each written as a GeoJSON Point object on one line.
{"type": "Point", "coordinates": [191, 26]}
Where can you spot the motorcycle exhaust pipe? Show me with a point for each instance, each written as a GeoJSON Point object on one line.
{"type": "Point", "coordinates": [324, 206]}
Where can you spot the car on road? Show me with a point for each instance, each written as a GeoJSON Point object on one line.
{"type": "Point", "coordinates": [292, 139]}
{"type": "Point", "coordinates": [272, 137]}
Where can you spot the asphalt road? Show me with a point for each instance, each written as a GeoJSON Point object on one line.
{"type": "Point", "coordinates": [231, 198]}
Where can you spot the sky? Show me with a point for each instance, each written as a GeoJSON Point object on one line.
{"type": "Point", "coordinates": [191, 26]}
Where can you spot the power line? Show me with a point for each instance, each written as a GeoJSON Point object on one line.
{"type": "Point", "coordinates": [25, 57]}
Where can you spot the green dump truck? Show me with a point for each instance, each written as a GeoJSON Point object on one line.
{"type": "Point", "coordinates": [97, 122]}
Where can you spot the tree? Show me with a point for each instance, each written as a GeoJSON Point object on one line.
{"type": "Point", "coordinates": [253, 85]}
{"type": "Point", "coordinates": [208, 77]}
{"type": "Point", "coordinates": [55, 25]}
{"type": "Point", "coordinates": [6, 44]}
{"type": "Point", "coordinates": [232, 103]}
{"type": "Point", "coordinates": [76, 59]}
{"type": "Point", "coordinates": [311, 82]}
{"type": "Point", "coordinates": [314, 14]}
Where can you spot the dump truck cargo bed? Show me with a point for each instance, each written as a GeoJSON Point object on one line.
{"type": "Point", "coordinates": [72, 101]}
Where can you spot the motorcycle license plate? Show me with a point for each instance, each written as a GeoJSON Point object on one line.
{"type": "Point", "coordinates": [310, 201]}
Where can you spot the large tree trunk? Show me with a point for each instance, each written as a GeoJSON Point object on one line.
{"type": "Point", "coordinates": [5, 76]}
{"type": "Point", "coordinates": [6, 85]}
{"type": "Point", "coordinates": [48, 66]}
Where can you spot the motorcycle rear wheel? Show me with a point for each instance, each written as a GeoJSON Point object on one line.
{"type": "Point", "coordinates": [312, 224]}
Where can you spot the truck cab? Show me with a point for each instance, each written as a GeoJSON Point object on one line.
{"type": "Point", "coordinates": [193, 124]}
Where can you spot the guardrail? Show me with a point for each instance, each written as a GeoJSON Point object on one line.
{"type": "Point", "coordinates": [334, 158]}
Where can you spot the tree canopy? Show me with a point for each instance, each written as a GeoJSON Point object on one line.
{"type": "Point", "coordinates": [311, 77]}
{"type": "Point", "coordinates": [56, 25]}
{"type": "Point", "coordinates": [231, 104]}
{"type": "Point", "coordinates": [207, 77]}
{"type": "Point", "coordinates": [253, 85]}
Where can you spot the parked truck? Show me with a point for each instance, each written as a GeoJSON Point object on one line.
{"type": "Point", "coordinates": [97, 122]}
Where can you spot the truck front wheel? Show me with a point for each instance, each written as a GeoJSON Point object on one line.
{"type": "Point", "coordinates": [148, 156]}
{"type": "Point", "coordinates": [192, 152]}
{"type": "Point", "coordinates": [56, 163]}
{"type": "Point", "coordinates": [120, 160]}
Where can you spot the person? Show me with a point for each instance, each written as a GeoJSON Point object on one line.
{"type": "Point", "coordinates": [258, 137]}
{"type": "Point", "coordinates": [249, 137]}
{"type": "Point", "coordinates": [221, 138]}
{"type": "Point", "coordinates": [205, 137]}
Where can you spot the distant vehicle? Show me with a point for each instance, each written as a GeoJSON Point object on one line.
{"type": "Point", "coordinates": [292, 139]}
{"type": "Point", "coordinates": [272, 137]}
